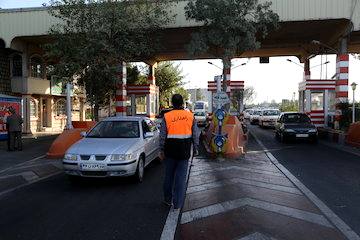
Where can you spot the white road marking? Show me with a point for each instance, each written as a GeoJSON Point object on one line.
{"type": "Point", "coordinates": [236, 168]}
{"type": "Point", "coordinates": [28, 176]}
{"type": "Point", "coordinates": [223, 207]}
{"type": "Point", "coordinates": [28, 183]}
{"type": "Point", "coordinates": [339, 224]}
{"type": "Point", "coordinates": [21, 164]}
{"type": "Point", "coordinates": [257, 236]}
{"type": "Point", "coordinates": [233, 181]}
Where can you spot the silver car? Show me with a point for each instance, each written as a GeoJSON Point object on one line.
{"type": "Point", "coordinates": [116, 146]}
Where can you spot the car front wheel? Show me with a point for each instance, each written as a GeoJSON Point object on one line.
{"type": "Point", "coordinates": [139, 175]}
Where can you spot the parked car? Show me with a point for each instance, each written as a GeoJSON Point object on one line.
{"type": "Point", "coordinates": [116, 146]}
{"type": "Point", "coordinates": [247, 113]}
{"type": "Point", "coordinates": [295, 126]}
{"type": "Point", "coordinates": [200, 117]}
{"type": "Point", "coordinates": [268, 117]}
{"type": "Point", "coordinates": [254, 116]}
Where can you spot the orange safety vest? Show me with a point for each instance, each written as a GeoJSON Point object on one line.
{"type": "Point", "coordinates": [179, 124]}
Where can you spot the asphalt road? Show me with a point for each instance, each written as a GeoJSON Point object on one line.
{"type": "Point", "coordinates": [56, 208]}
{"type": "Point", "coordinates": [332, 175]}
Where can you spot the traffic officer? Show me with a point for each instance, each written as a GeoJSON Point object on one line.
{"type": "Point", "coordinates": [178, 135]}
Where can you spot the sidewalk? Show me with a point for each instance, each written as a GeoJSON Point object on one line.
{"type": "Point", "coordinates": [250, 199]}
{"type": "Point", "coordinates": [21, 168]}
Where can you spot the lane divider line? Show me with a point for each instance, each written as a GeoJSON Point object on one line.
{"type": "Point", "coordinates": [2, 194]}
{"type": "Point", "coordinates": [23, 163]}
{"type": "Point", "coordinates": [333, 218]}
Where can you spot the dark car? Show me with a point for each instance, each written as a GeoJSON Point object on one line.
{"type": "Point", "coordinates": [292, 126]}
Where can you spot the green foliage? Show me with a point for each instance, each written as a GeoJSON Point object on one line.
{"type": "Point", "coordinates": [134, 77]}
{"type": "Point", "coordinates": [289, 106]}
{"type": "Point", "coordinates": [93, 36]}
{"type": "Point", "coordinates": [199, 95]}
{"type": "Point", "coordinates": [231, 27]}
{"type": "Point", "coordinates": [168, 78]}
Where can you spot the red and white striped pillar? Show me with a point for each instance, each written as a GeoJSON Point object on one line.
{"type": "Point", "coordinates": [121, 90]}
{"type": "Point", "coordinates": [151, 76]}
{"type": "Point", "coordinates": [342, 82]}
{"type": "Point", "coordinates": [227, 78]}
{"type": "Point", "coordinates": [307, 73]}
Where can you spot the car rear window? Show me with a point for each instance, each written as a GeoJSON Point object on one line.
{"type": "Point", "coordinates": [199, 113]}
{"type": "Point", "coordinates": [296, 118]}
{"type": "Point", "coordinates": [115, 129]}
{"type": "Point", "coordinates": [271, 113]}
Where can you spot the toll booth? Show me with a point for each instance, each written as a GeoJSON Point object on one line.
{"type": "Point", "coordinates": [144, 100]}
{"type": "Point", "coordinates": [317, 99]}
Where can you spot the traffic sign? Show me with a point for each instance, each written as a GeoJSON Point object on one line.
{"type": "Point", "coordinates": [220, 99]}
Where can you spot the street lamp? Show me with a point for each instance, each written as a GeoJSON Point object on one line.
{"type": "Point", "coordinates": [317, 42]}
{"type": "Point", "coordinates": [289, 60]}
{"type": "Point", "coordinates": [353, 86]}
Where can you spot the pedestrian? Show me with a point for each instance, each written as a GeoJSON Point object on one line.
{"type": "Point", "coordinates": [14, 125]}
{"type": "Point", "coordinates": [178, 135]}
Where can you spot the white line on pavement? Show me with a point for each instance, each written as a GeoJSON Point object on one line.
{"type": "Point", "coordinates": [23, 163]}
{"type": "Point", "coordinates": [28, 183]}
{"type": "Point", "coordinates": [340, 224]}
{"type": "Point", "coordinates": [223, 207]}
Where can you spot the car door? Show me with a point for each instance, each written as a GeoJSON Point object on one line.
{"type": "Point", "coordinates": [152, 143]}
{"type": "Point", "coordinates": [278, 123]}
{"type": "Point", "coordinates": [147, 142]}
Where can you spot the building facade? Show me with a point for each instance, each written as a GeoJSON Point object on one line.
{"type": "Point", "coordinates": [24, 73]}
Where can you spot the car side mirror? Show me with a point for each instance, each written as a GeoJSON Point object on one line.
{"type": "Point", "coordinates": [83, 134]}
{"type": "Point", "coordinates": [149, 134]}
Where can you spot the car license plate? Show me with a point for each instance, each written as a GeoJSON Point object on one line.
{"type": "Point", "coordinates": [302, 135]}
{"type": "Point", "coordinates": [92, 167]}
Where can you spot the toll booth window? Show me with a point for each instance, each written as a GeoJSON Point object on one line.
{"type": "Point", "coordinates": [332, 103]}
{"type": "Point", "coordinates": [140, 104]}
{"type": "Point", "coordinates": [17, 66]}
{"type": "Point", "coordinates": [317, 101]}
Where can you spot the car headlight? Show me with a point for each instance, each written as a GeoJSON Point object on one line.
{"type": "Point", "coordinates": [70, 157]}
{"type": "Point", "coordinates": [122, 157]}
{"type": "Point", "coordinates": [289, 130]}
{"type": "Point", "coordinates": [312, 131]}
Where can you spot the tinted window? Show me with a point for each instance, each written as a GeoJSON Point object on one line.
{"type": "Point", "coordinates": [115, 129]}
{"type": "Point", "coordinates": [296, 118]}
{"type": "Point", "coordinates": [256, 113]}
{"type": "Point", "coordinates": [199, 105]}
{"type": "Point", "coordinates": [199, 113]}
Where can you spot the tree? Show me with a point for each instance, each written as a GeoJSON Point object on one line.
{"type": "Point", "coordinates": [94, 36]}
{"type": "Point", "coordinates": [199, 95]}
{"type": "Point", "coordinates": [168, 77]}
{"type": "Point", "coordinates": [249, 94]}
{"type": "Point", "coordinates": [230, 27]}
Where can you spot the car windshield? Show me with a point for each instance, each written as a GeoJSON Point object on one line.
{"type": "Point", "coordinates": [296, 118]}
{"type": "Point", "coordinates": [271, 113]}
{"type": "Point", "coordinates": [199, 105]}
{"type": "Point", "coordinates": [199, 114]}
{"type": "Point", "coordinates": [256, 113]}
{"type": "Point", "coordinates": [115, 129]}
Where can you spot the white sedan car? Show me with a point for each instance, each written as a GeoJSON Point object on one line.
{"type": "Point", "coordinates": [116, 146]}
{"type": "Point", "coordinates": [268, 117]}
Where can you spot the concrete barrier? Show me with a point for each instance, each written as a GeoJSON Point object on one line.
{"type": "Point", "coordinates": [67, 138]}
{"type": "Point", "coordinates": [353, 136]}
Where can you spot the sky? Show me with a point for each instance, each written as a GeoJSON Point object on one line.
{"type": "Point", "coordinates": [276, 80]}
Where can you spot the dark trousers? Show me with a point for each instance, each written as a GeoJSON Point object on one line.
{"type": "Point", "coordinates": [15, 142]}
{"type": "Point", "coordinates": [175, 181]}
